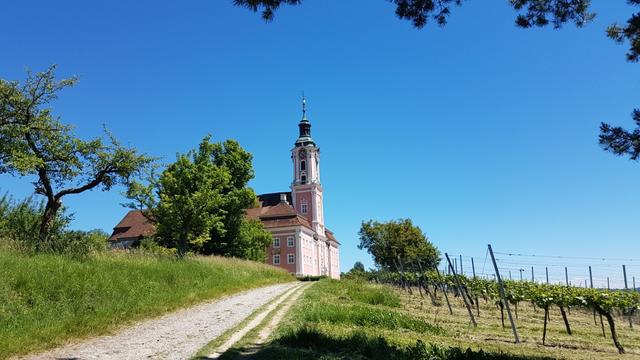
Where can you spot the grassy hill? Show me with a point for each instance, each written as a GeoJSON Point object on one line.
{"type": "Point", "coordinates": [350, 319]}
{"type": "Point", "coordinates": [48, 299]}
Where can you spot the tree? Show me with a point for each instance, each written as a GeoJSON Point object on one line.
{"type": "Point", "coordinates": [358, 266]}
{"type": "Point", "coordinates": [198, 202]}
{"type": "Point", "coordinates": [531, 13]}
{"type": "Point", "coordinates": [33, 142]}
{"type": "Point", "coordinates": [398, 245]}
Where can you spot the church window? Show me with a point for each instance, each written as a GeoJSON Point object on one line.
{"type": "Point", "coordinates": [290, 241]}
{"type": "Point", "coordinates": [303, 207]}
{"type": "Point", "coordinates": [276, 259]}
{"type": "Point", "coordinates": [276, 242]}
{"type": "Point", "coordinates": [303, 165]}
{"type": "Point", "coordinates": [303, 178]}
{"type": "Point", "coordinates": [291, 258]}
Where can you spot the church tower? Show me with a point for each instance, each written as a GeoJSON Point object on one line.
{"type": "Point", "coordinates": [306, 190]}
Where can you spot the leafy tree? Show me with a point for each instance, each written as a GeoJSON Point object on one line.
{"type": "Point", "coordinates": [198, 202]}
{"type": "Point", "coordinates": [358, 266]}
{"type": "Point", "coordinates": [398, 245]}
{"type": "Point", "coordinates": [33, 142]}
{"type": "Point", "coordinates": [530, 13]}
{"type": "Point", "coordinates": [252, 241]}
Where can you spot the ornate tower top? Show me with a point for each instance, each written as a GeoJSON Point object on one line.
{"type": "Point", "coordinates": [305, 127]}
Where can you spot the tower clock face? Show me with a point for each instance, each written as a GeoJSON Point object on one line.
{"type": "Point", "coordinates": [302, 154]}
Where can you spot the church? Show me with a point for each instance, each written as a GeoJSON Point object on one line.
{"type": "Point", "coordinates": [301, 244]}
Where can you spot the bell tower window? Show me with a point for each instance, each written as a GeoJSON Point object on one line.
{"type": "Point", "coordinates": [304, 207]}
{"type": "Point", "coordinates": [303, 165]}
{"type": "Point", "coordinates": [303, 178]}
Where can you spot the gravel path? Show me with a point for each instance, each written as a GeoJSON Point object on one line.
{"type": "Point", "coordinates": [178, 335]}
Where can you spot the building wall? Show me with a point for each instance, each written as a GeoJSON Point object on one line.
{"type": "Point", "coordinates": [283, 250]}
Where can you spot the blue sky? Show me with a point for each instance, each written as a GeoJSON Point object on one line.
{"type": "Point", "coordinates": [479, 131]}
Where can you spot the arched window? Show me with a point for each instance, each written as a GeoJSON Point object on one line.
{"type": "Point", "coordinates": [303, 165]}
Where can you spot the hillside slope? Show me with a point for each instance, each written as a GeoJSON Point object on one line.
{"type": "Point", "coordinates": [46, 300]}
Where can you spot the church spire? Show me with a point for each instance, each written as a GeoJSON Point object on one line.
{"type": "Point", "coordinates": [305, 127]}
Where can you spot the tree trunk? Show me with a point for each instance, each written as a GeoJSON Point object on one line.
{"type": "Point", "coordinates": [48, 217]}
{"type": "Point", "coordinates": [612, 327]}
{"type": "Point", "coordinates": [566, 321]}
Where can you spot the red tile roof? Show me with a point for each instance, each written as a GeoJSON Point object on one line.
{"type": "Point", "coordinates": [133, 225]}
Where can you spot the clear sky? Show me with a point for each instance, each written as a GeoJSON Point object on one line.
{"type": "Point", "coordinates": [479, 131]}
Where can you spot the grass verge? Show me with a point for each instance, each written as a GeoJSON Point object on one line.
{"type": "Point", "coordinates": [46, 300]}
{"type": "Point", "coordinates": [352, 319]}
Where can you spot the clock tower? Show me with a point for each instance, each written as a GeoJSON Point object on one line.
{"type": "Point", "coordinates": [306, 190]}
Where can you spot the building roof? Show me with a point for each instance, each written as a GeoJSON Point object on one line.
{"type": "Point", "coordinates": [133, 225]}
{"type": "Point", "coordinates": [273, 199]}
{"type": "Point", "coordinates": [279, 215]}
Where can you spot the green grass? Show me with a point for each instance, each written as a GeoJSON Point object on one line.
{"type": "Point", "coordinates": [355, 320]}
{"type": "Point", "coordinates": [48, 299]}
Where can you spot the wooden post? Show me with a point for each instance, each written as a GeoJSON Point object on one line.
{"type": "Point", "coordinates": [626, 287]}
{"type": "Point", "coordinates": [446, 297]}
{"type": "Point", "coordinates": [503, 296]}
{"type": "Point", "coordinates": [461, 270]}
{"type": "Point", "coordinates": [533, 279]}
{"type": "Point", "coordinates": [455, 266]}
{"type": "Point", "coordinates": [634, 284]}
{"type": "Point", "coordinates": [608, 286]}
{"type": "Point", "coordinates": [566, 275]}
{"type": "Point", "coordinates": [590, 276]}
{"type": "Point", "coordinates": [546, 271]}
{"type": "Point", "coordinates": [521, 270]}
{"type": "Point", "coordinates": [473, 268]}
{"type": "Point", "coordinates": [462, 293]}
{"type": "Point", "coordinates": [510, 278]}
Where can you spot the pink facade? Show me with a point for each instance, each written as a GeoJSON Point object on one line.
{"type": "Point", "coordinates": [301, 243]}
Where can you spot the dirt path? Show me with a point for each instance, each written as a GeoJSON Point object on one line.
{"type": "Point", "coordinates": [286, 301]}
{"type": "Point", "coordinates": [178, 335]}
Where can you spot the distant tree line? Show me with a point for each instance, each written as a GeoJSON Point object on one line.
{"type": "Point", "coordinates": [197, 203]}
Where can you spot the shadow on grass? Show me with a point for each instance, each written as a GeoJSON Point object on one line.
{"type": "Point", "coordinates": [310, 343]}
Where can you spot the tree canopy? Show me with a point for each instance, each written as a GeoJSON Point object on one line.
{"type": "Point", "coordinates": [198, 202]}
{"type": "Point", "coordinates": [530, 13]}
{"type": "Point", "coordinates": [398, 245]}
{"type": "Point", "coordinates": [34, 142]}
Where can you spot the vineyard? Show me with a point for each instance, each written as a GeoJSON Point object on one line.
{"type": "Point", "coordinates": [608, 307]}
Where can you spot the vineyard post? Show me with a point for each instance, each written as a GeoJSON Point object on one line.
{"type": "Point", "coordinates": [503, 296]}
{"type": "Point", "coordinates": [521, 270]}
{"type": "Point", "coordinates": [462, 294]}
{"type": "Point", "coordinates": [510, 278]}
{"type": "Point", "coordinates": [473, 268]}
{"type": "Point", "coordinates": [461, 270]}
{"type": "Point", "coordinates": [634, 284]}
{"type": "Point", "coordinates": [590, 276]}
{"type": "Point", "coordinates": [608, 286]}
{"type": "Point", "coordinates": [626, 287]}
{"type": "Point", "coordinates": [455, 266]}
{"type": "Point", "coordinates": [546, 271]}
{"type": "Point", "coordinates": [446, 297]}
{"type": "Point", "coordinates": [532, 277]}
{"type": "Point", "coordinates": [566, 275]}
